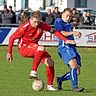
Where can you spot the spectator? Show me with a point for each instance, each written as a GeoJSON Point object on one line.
{"type": "Point", "coordinates": [13, 20]}
{"type": "Point", "coordinates": [84, 20]}
{"type": "Point", "coordinates": [22, 17]}
{"type": "Point", "coordinates": [6, 17]}
{"type": "Point", "coordinates": [75, 17]}
{"type": "Point", "coordinates": [91, 19]}
{"type": "Point", "coordinates": [56, 14]}
{"type": "Point", "coordinates": [49, 17]}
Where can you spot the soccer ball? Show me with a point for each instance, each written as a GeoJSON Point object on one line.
{"type": "Point", "coordinates": [38, 85]}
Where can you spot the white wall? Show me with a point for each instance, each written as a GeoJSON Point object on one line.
{"type": "Point", "coordinates": [62, 4]}
{"type": "Point", "coordinates": [18, 4]}
{"type": "Point", "coordinates": [10, 3]}
{"type": "Point", "coordinates": [35, 4]}
{"type": "Point", "coordinates": [91, 4]}
{"type": "Point", "coordinates": [70, 3]}
{"type": "Point", "coordinates": [65, 4]}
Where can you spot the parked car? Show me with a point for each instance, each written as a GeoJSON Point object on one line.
{"type": "Point", "coordinates": [91, 11]}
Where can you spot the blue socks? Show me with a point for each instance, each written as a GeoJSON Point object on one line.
{"type": "Point", "coordinates": [74, 78]}
{"type": "Point", "coordinates": [64, 77]}
{"type": "Point", "coordinates": [72, 75]}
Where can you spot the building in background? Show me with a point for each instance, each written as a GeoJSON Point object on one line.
{"type": "Point", "coordinates": [2, 3]}
{"type": "Point", "coordinates": [42, 4]}
{"type": "Point", "coordinates": [75, 3]}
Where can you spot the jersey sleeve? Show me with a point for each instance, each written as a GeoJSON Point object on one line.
{"type": "Point", "coordinates": [45, 26]}
{"type": "Point", "coordinates": [16, 35]}
{"type": "Point", "coordinates": [58, 25]}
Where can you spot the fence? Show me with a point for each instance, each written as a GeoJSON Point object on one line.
{"type": "Point", "coordinates": [88, 37]}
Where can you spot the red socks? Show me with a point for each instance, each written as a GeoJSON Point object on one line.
{"type": "Point", "coordinates": [50, 75]}
{"type": "Point", "coordinates": [37, 60]}
{"type": "Point", "coordinates": [49, 70]}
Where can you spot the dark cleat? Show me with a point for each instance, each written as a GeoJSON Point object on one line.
{"type": "Point", "coordinates": [78, 89]}
{"type": "Point", "coordinates": [59, 84]}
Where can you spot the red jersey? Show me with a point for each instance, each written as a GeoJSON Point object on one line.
{"type": "Point", "coordinates": [27, 34]}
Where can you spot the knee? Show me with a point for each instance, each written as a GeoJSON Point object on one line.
{"type": "Point", "coordinates": [50, 62]}
{"type": "Point", "coordinates": [78, 72]}
{"type": "Point", "coordinates": [40, 48]}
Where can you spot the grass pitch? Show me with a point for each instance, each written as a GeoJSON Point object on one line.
{"type": "Point", "coordinates": [14, 78]}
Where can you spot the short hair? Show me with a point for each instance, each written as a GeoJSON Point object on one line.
{"type": "Point", "coordinates": [36, 14]}
{"type": "Point", "coordinates": [74, 9]}
{"type": "Point", "coordinates": [10, 7]}
{"type": "Point", "coordinates": [67, 9]}
{"type": "Point", "coordinates": [5, 6]}
{"type": "Point", "coordinates": [55, 7]}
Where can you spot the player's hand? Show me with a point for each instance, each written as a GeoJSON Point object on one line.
{"type": "Point", "coordinates": [70, 42]}
{"type": "Point", "coordinates": [79, 34]}
{"type": "Point", "coordinates": [9, 57]}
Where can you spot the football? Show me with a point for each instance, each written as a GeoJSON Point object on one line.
{"type": "Point", "coordinates": [38, 85]}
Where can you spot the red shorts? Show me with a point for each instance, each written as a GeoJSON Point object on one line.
{"type": "Point", "coordinates": [30, 50]}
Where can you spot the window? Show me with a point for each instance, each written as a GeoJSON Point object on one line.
{"type": "Point", "coordinates": [26, 3]}
{"type": "Point", "coordinates": [2, 2]}
{"type": "Point", "coordinates": [81, 3]}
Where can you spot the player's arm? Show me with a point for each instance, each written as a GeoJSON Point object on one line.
{"type": "Point", "coordinates": [16, 35]}
{"type": "Point", "coordinates": [76, 33]}
{"type": "Point", "coordinates": [60, 27]}
{"type": "Point", "coordinates": [46, 27]}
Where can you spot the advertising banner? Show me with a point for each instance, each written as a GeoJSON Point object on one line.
{"type": "Point", "coordinates": [88, 37]}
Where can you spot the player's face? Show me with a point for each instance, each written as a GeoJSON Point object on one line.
{"type": "Point", "coordinates": [34, 22]}
{"type": "Point", "coordinates": [66, 16]}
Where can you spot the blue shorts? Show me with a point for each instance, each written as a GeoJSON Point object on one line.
{"type": "Point", "coordinates": [68, 53]}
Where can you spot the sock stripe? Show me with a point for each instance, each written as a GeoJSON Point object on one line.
{"type": "Point", "coordinates": [72, 74]}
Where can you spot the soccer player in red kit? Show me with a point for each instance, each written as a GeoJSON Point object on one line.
{"type": "Point", "coordinates": [28, 35]}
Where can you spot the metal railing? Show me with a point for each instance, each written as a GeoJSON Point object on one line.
{"type": "Point", "coordinates": [75, 27]}
{"type": "Point", "coordinates": [8, 25]}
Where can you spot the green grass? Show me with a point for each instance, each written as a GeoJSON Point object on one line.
{"type": "Point", "coordinates": [14, 77]}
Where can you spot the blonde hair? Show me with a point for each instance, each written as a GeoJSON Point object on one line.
{"type": "Point", "coordinates": [35, 14]}
{"type": "Point", "coordinates": [67, 9]}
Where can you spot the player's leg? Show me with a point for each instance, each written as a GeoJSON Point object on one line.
{"type": "Point", "coordinates": [65, 77]}
{"type": "Point", "coordinates": [75, 70]}
{"type": "Point", "coordinates": [35, 51]}
{"type": "Point", "coordinates": [50, 73]}
{"type": "Point", "coordinates": [62, 78]}
{"type": "Point", "coordinates": [64, 56]}
{"type": "Point", "coordinates": [36, 61]}
{"type": "Point", "coordinates": [67, 55]}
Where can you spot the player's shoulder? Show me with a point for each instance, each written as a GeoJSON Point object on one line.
{"type": "Point", "coordinates": [58, 20]}
{"type": "Point", "coordinates": [42, 24]}
{"type": "Point", "coordinates": [24, 25]}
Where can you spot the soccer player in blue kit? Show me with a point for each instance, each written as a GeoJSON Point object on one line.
{"type": "Point", "coordinates": [68, 52]}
